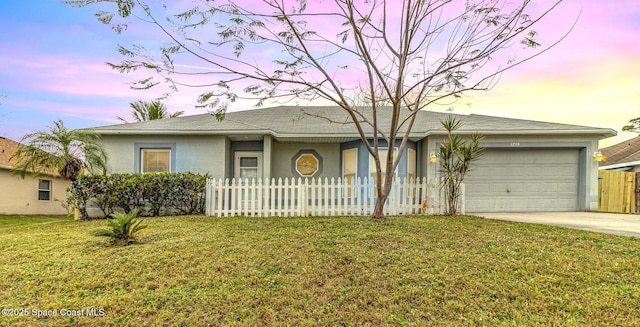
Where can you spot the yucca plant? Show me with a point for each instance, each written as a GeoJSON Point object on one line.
{"type": "Point", "coordinates": [456, 157]}
{"type": "Point", "coordinates": [122, 228]}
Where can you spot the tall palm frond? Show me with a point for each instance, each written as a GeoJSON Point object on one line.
{"type": "Point", "coordinates": [60, 151]}
{"type": "Point", "coordinates": [145, 111]}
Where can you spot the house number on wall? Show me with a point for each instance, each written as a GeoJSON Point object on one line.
{"type": "Point", "coordinates": [515, 144]}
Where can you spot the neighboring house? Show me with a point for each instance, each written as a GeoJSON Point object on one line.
{"type": "Point", "coordinates": [527, 166]}
{"type": "Point", "coordinates": [624, 156]}
{"type": "Point", "coordinates": [28, 196]}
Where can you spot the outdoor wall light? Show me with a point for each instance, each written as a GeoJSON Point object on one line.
{"type": "Point", "coordinates": [433, 157]}
{"type": "Point", "coordinates": [598, 156]}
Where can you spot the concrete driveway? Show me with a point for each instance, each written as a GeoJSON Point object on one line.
{"type": "Point", "coordinates": [610, 223]}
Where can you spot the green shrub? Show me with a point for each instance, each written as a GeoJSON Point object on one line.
{"type": "Point", "coordinates": [122, 228]}
{"type": "Point", "coordinates": [156, 189]}
{"type": "Point", "coordinates": [149, 194]}
{"type": "Point", "coordinates": [78, 196]}
{"type": "Point", "coordinates": [188, 195]}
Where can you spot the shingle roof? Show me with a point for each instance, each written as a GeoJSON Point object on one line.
{"type": "Point", "coordinates": [298, 121]}
{"type": "Point", "coordinates": [7, 149]}
{"type": "Point", "coordinates": [621, 153]}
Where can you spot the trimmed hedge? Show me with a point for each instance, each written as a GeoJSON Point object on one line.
{"type": "Point", "coordinates": [150, 194]}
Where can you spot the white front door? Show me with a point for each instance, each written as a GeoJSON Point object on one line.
{"type": "Point", "coordinates": [247, 165]}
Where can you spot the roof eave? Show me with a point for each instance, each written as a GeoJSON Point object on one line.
{"type": "Point", "coordinates": [31, 172]}
{"type": "Point", "coordinates": [603, 132]}
{"type": "Point", "coordinates": [178, 132]}
{"type": "Point", "coordinates": [620, 165]}
{"type": "Point", "coordinates": [238, 132]}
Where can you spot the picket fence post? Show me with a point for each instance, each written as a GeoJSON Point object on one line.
{"type": "Point", "coordinates": [321, 196]}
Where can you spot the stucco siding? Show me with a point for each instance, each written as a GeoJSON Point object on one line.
{"type": "Point", "coordinates": [201, 155]}
{"type": "Point", "coordinates": [196, 154]}
{"type": "Point", "coordinates": [120, 152]}
{"type": "Point", "coordinates": [283, 154]}
{"type": "Point", "coordinates": [20, 196]}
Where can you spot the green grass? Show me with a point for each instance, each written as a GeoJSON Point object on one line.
{"type": "Point", "coordinates": [436, 271]}
{"type": "Point", "coordinates": [14, 220]}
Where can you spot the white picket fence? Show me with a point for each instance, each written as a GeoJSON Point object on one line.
{"type": "Point", "coordinates": [319, 197]}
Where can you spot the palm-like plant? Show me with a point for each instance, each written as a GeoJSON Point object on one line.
{"type": "Point", "coordinates": [60, 151]}
{"type": "Point", "coordinates": [456, 156]}
{"type": "Point", "coordinates": [122, 229]}
{"type": "Point", "coordinates": [144, 111]}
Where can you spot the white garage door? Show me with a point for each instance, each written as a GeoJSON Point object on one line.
{"type": "Point", "coordinates": [524, 180]}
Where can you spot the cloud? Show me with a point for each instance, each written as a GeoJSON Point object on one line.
{"type": "Point", "coordinates": [591, 92]}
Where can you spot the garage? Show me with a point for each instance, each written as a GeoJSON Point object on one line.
{"type": "Point", "coordinates": [506, 180]}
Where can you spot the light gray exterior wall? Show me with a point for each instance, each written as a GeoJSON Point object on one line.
{"type": "Point", "coordinates": [214, 155]}
{"type": "Point", "coordinates": [587, 145]}
{"type": "Point", "coordinates": [196, 154]}
{"type": "Point", "coordinates": [283, 154]}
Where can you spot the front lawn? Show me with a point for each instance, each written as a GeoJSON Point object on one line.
{"type": "Point", "coordinates": [436, 271]}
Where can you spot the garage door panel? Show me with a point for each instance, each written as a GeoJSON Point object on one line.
{"type": "Point", "coordinates": [479, 188]}
{"type": "Point", "coordinates": [569, 187]}
{"type": "Point", "coordinates": [496, 169]}
{"type": "Point", "coordinates": [517, 188]}
{"type": "Point", "coordinates": [514, 171]}
{"type": "Point", "coordinates": [497, 187]}
{"type": "Point", "coordinates": [524, 180]}
{"type": "Point", "coordinates": [519, 202]}
{"type": "Point", "coordinates": [534, 187]}
{"type": "Point", "coordinates": [563, 171]}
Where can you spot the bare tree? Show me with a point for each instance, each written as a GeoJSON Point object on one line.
{"type": "Point", "coordinates": [363, 56]}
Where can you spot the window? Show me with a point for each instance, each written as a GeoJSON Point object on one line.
{"type": "Point", "coordinates": [154, 157]}
{"type": "Point", "coordinates": [383, 159]}
{"type": "Point", "coordinates": [248, 165]}
{"type": "Point", "coordinates": [44, 190]}
{"type": "Point", "coordinates": [307, 165]}
{"type": "Point", "coordinates": [382, 153]}
{"type": "Point", "coordinates": [155, 160]}
{"type": "Point", "coordinates": [411, 164]}
{"type": "Point", "coordinates": [349, 167]}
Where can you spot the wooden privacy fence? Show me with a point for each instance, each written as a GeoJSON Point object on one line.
{"type": "Point", "coordinates": [617, 191]}
{"type": "Point", "coordinates": [319, 197]}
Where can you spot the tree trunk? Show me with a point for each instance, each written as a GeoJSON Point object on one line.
{"type": "Point", "coordinates": [452, 198]}
{"type": "Point", "coordinates": [378, 211]}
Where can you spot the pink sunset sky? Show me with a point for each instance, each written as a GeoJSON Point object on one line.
{"type": "Point", "coordinates": [52, 60]}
